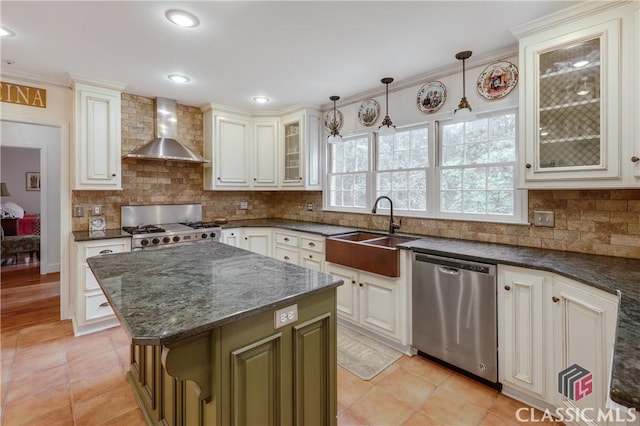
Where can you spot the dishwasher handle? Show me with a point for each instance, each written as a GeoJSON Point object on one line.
{"type": "Point", "coordinates": [447, 270]}
{"type": "Point", "coordinates": [447, 265]}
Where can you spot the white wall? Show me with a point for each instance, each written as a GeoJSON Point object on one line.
{"type": "Point", "coordinates": [14, 164]}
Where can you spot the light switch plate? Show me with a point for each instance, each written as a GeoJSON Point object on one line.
{"type": "Point", "coordinates": [78, 211]}
{"type": "Point", "coordinates": [286, 316]}
{"type": "Point", "coordinates": [244, 205]}
{"type": "Point", "coordinates": [310, 207]}
{"type": "Point", "coordinates": [96, 210]}
{"type": "Point", "coordinates": [543, 218]}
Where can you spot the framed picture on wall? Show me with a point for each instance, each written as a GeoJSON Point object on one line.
{"type": "Point", "coordinates": [33, 181]}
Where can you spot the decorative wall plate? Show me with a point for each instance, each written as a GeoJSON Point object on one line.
{"type": "Point", "coordinates": [331, 122]}
{"type": "Point", "coordinates": [497, 80]}
{"type": "Point", "coordinates": [431, 97]}
{"type": "Point", "coordinates": [368, 112]}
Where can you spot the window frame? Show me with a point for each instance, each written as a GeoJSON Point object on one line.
{"type": "Point", "coordinates": [326, 192]}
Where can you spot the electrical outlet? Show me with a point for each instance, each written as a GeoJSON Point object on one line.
{"type": "Point", "coordinates": [244, 205]}
{"type": "Point", "coordinates": [78, 211]}
{"type": "Point", "coordinates": [96, 210]}
{"type": "Point", "coordinates": [543, 218]}
{"type": "Point", "coordinates": [286, 316]}
{"type": "Point", "coordinates": [310, 207]}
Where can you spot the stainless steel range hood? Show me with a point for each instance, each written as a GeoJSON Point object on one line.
{"type": "Point", "coordinates": [165, 146]}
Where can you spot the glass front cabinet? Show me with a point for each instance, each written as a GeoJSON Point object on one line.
{"type": "Point", "coordinates": [570, 102]}
{"type": "Point", "coordinates": [293, 152]}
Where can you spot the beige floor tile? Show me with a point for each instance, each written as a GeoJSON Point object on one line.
{"type": "Point", "coordinates": [419, 419]}
{"type": "Point", "coordinates": [470, 390]}
{"type": "Point", "coordinates": [89, 387]}
{"type": "Point", "coordinates": [492, 420]}
{"type": "Point", "coordinates": [446, 407]}
{"type": "Point", "coordinates": [90, 366]}
{"type": "Point", "coordinates": [132, 417]}
{"type": "Point", "coordinates": [35, 383]}
{"type": "Point", "coordinates": [23, 367]}
{"type": "Point", "coordinates": [378, 407]}
{"type": "Point", "coordinates": [34, 406]}
{"type": "Point", "coordinates": [427, 369]}
{"type": "Point", "coordinates": [407, 387]}
{"type": "Point", "coordinates": [60, 417]}
{"type": "Point", "coordinates": [347, 418]}
{"type": "Point", "coordinates": [106, 406]}
{"type": "Point", "coordinates": [119, 337]}
{"type": "Point", "coordinates": [124, 355]}
{"type": "Point", "coordinates": [36, 335]}
{"type": "Point", "coordinates": [393, 367]}
{"type": "Point", "coordinates": [351, 388]}
{"type": "Point", "coordinates": [89, 346]}
{"type": "Point", "coordinates": [46, 347]}
{"type": "Point", "coordinates": [506, 408]}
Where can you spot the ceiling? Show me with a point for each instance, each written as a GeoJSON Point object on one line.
{"type": "Point", "coordinates": [294, 52]}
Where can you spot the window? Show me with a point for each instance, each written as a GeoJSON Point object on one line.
{"type": "Point", "coordinates": [348, 173]}
{"type": "Point", "coordinates": [477, 167]}
{"type": "Point", "coordinates": [402, 169]}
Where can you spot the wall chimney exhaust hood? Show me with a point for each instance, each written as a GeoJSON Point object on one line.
{"type": "Point", "coordinates": [165, 146]}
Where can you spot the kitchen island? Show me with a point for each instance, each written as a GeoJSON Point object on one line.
{"type": "Point", "coordinates": [222, 336]}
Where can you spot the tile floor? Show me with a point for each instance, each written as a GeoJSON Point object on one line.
{"type": "Point", "coordinates": [50, 377]}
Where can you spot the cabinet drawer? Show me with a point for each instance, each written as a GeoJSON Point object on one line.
{"type": "Point", "coordinates": [90, 280]}
{"type": "Point", "coordinates": [286, 239]}
{"type": "Point", "coordinates": [313, 244]}
{"type": "Point", "coordinates": [97, 306]}
{"type": "Point", "coordinates": [287, 255]}
{"type": "Point", "coordinates": [105, 249]}
{"type": "Point", "coordinates": [312, 255]}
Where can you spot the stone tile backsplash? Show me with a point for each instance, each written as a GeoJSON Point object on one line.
{"type": "Point", "coordinates": [603, 222]}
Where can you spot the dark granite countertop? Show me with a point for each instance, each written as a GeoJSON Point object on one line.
{"type": "Point", "coordinates": [99, 235]}
{"type": "Point", "coordinates": [162, 296]}
{"type": "Point", "coordinates": [292, 225]}
{"type": "Point", "coordinates": [612, 274]}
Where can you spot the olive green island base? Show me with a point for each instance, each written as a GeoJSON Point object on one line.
{"type": "Point", "coordinates": [245, 372]}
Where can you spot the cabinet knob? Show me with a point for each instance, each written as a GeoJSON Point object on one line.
{"type": "Point", "coordinates": [254, 179]}
{"type": "Point", "coordinates": [312, 245]}
{"type": "Point", "coordinates": [286, 258]}
{"type": "Point", "coordinates": [506, 287]}
{"type": "Point", "coordinates": [310, 256]}
{"type": "Point", "coordinates": [528, 166]}
{"type": "Point", "coordinates": [104, 304]}
{"type": "Point", "coordinates": [286, 238]}
{"type": "Point", "coordinates": [218, 177]}
{"type": "Point", "coordinates": [361, 284]}
{"type": "Point", "coordinates": [300, 178]}
{"type": "Point", "coordinates": [107, 251]}
{"type": "Point", "coordinates": [113, 175]}
{"type": "Point", "coordinates": [246, 238]}
{"type": "Point", "coordinates": [555, 299]}
{"type": "Point", "coordinates": [635, 159]}
{"type": "Point", "coordinates": [353, 281]}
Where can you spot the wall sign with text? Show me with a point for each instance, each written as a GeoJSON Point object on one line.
{"type": "Point", "coordinates": [23, 95]}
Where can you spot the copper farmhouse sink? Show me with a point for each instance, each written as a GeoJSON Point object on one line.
{"type": "Point", "coordinates": [366, 251]}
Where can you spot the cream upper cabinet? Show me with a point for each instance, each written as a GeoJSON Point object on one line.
{"type": "Point", "coordinates": [228, 148]}
{"type": "Point", "coordinates": [576, 125]}
{"type": "Point", "coordinates": [97, 134]}
{"type": "Point", "coordinates": [259, 152]}
{"type": "Point", "coordinates": [265, 150]}
{"type": "Point", "coordinates": [300, 146]}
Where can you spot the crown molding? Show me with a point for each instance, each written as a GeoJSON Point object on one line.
{"type": "Point", "coordinates": [33, 78]}
{"type": "Point", "coordinates": [79, 78]}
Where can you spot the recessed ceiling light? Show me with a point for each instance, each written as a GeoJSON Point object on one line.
{"type": "Point", "coordinates": [6, 32]}
{"type": "Point", "coordinates": [182, 18]}
{"type": "Point", "coordinates": [177, 78]}
{"type": "Point", "coordinates": [261, 99]}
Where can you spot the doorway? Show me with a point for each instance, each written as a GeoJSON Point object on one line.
{"type": "Point", "coordinates": [45, 140]}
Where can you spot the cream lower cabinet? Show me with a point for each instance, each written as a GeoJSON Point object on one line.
{"type": "Point", "coordinates": [584, 322]}
{"type": "Point", "coordinates": [91, 311]}
{"type": "Point", "coordinates": [301, 249]}
{"type": "Point", "coordinates": [548, 324]}
{"type": "Point", "coordinates": [521, 329]}
{"type": "Point", "coordinates": [232, 237]}
{"type": "Point", "coordinates": [369, 300]}
{"type": "Point", "coordinates": [258, 240]}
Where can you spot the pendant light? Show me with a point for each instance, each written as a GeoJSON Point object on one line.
{"type": "Point", "coordinates": [463, 112]}
{"type": "Point", "coordinates": [334, 136]}
{"type": "Point", "coordinates": [387, 128]}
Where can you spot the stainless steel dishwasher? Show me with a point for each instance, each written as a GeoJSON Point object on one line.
{"type": "Point", "coordinates": [454, 313]}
